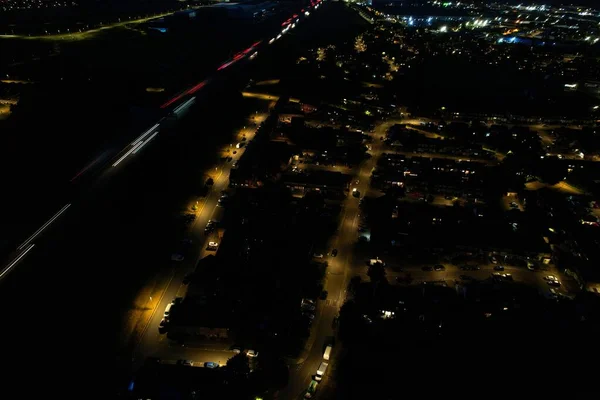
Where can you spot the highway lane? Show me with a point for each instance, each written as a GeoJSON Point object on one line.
{"type": "Point", "coordinates": [79, 272]}
{"type": "Point", "coordinates": [175, 103]}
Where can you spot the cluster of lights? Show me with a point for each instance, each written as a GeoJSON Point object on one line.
{"type": "Point", "coordinates": [9, 5]}
{"type": "Point", "coordinates": [446, 3]}
{"type": "Point", "coordinates": [479, 23]}
{"type": "Point", "coordinates": [533, 7]}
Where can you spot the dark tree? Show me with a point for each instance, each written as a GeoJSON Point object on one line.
{"type": "Point", "coordinates": [354, 284]}
{"type": "Point", "coordinates": [272, 372]}
{"type": "Point", "coordinates": [376, 272]}
{"type": "Point", "coordinates": [238, 365]}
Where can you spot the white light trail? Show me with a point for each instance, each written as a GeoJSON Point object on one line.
{"type": "Point", "coordinates": [184, 105]}
{"type": "Point", "coordinates": [145, 143]}
{"type": "Point", "coordinates": [126, 154]}
{"type": "Point", "coordinates": [47, 224]}
{"type": "Point", "coordinates": [16, 261]}
{"type": "Point", "coordinates": [143, 135]}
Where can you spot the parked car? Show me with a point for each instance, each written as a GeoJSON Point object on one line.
{"type": "Point", "coordinates": [162, 326]}
{"type": "Point", "coordinates": [188, 278]}
{"type": "Point", "coordinates": [498, 268]}
{"type": "Point", "coordinates": [168, 310]}
{"type": "Point", "coordinates": [212, 246]}
{"type": "Point", "coordinates": [222, 200]}
{"type": "Point", "coordinates": [177, 257]}
{"type": "Point", "coordinates": [210, 226]}
{"type": "Point", "coordinates": [309, 315]}
{"type": "Point", "coordinates": [312, 389]}
{"type": "Point", "coordinates": [211, 365]}
{"type": "Point", "coordinates": [334, 252]}
{"type": "Point", "coordinates": [439, 267]}
{"type": "Point", "coordinates": [187, 363]}
{"type": "Point", "coordinates": [189, 218]}
{"type": "Point", "coordinates": [252, 353]}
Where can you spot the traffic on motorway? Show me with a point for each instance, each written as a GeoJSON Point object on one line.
{"type": "Point", "coordinates": [176, 107]}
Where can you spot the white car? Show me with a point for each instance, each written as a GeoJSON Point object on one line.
{"type": "Point", "coordinates": [212, 246]}
{"type": "Point", "coordinates": [252, 353]}
{"type": "Point", "coordinates": [550, 278]}
{"type": "Point", "coordinates": [168, 310]}
{"type": "Point", "coordinates": [162, 326]}
{"type": "Point", "coordinates": [177, 257]}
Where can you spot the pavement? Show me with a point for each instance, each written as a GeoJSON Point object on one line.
{"type": "Point", "coordinates": [346, 265]}
{"type": "Point", "coordinates": [155, 344]}
{"type": "Point", "coordinates": [340, 270]}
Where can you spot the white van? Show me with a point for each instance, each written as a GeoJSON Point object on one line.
{"type": "Point", "coordinates": [327, 353]}
{"type": "Point", "coordinates": [321, 371]}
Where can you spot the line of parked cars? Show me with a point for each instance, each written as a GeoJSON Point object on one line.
{"type": "Point", "coordinates": [310, 392]}
{"type": "Point", "coordinates": [163, 325]}
{"type": "Point", "coordinates": [308, 308]}
{"type": "Point", "coordinates": [552, 280]}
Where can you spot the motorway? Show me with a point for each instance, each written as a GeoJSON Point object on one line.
{"type": "Point", "coordinates": [178, 105]}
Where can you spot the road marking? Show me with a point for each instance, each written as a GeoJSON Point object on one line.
{"type": "Point", "coordinates": [16, 261]}
{"type": "Point", "coordinates": [47, 224]}
{"type": "Point", "coordinates": [162, 295]}
{"type": "Point", "coordinates": [145, 143]}
{"type": "Point", "coordinates": [143, 135]}
{"type": "Point", "coordinates": [126, 154]}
